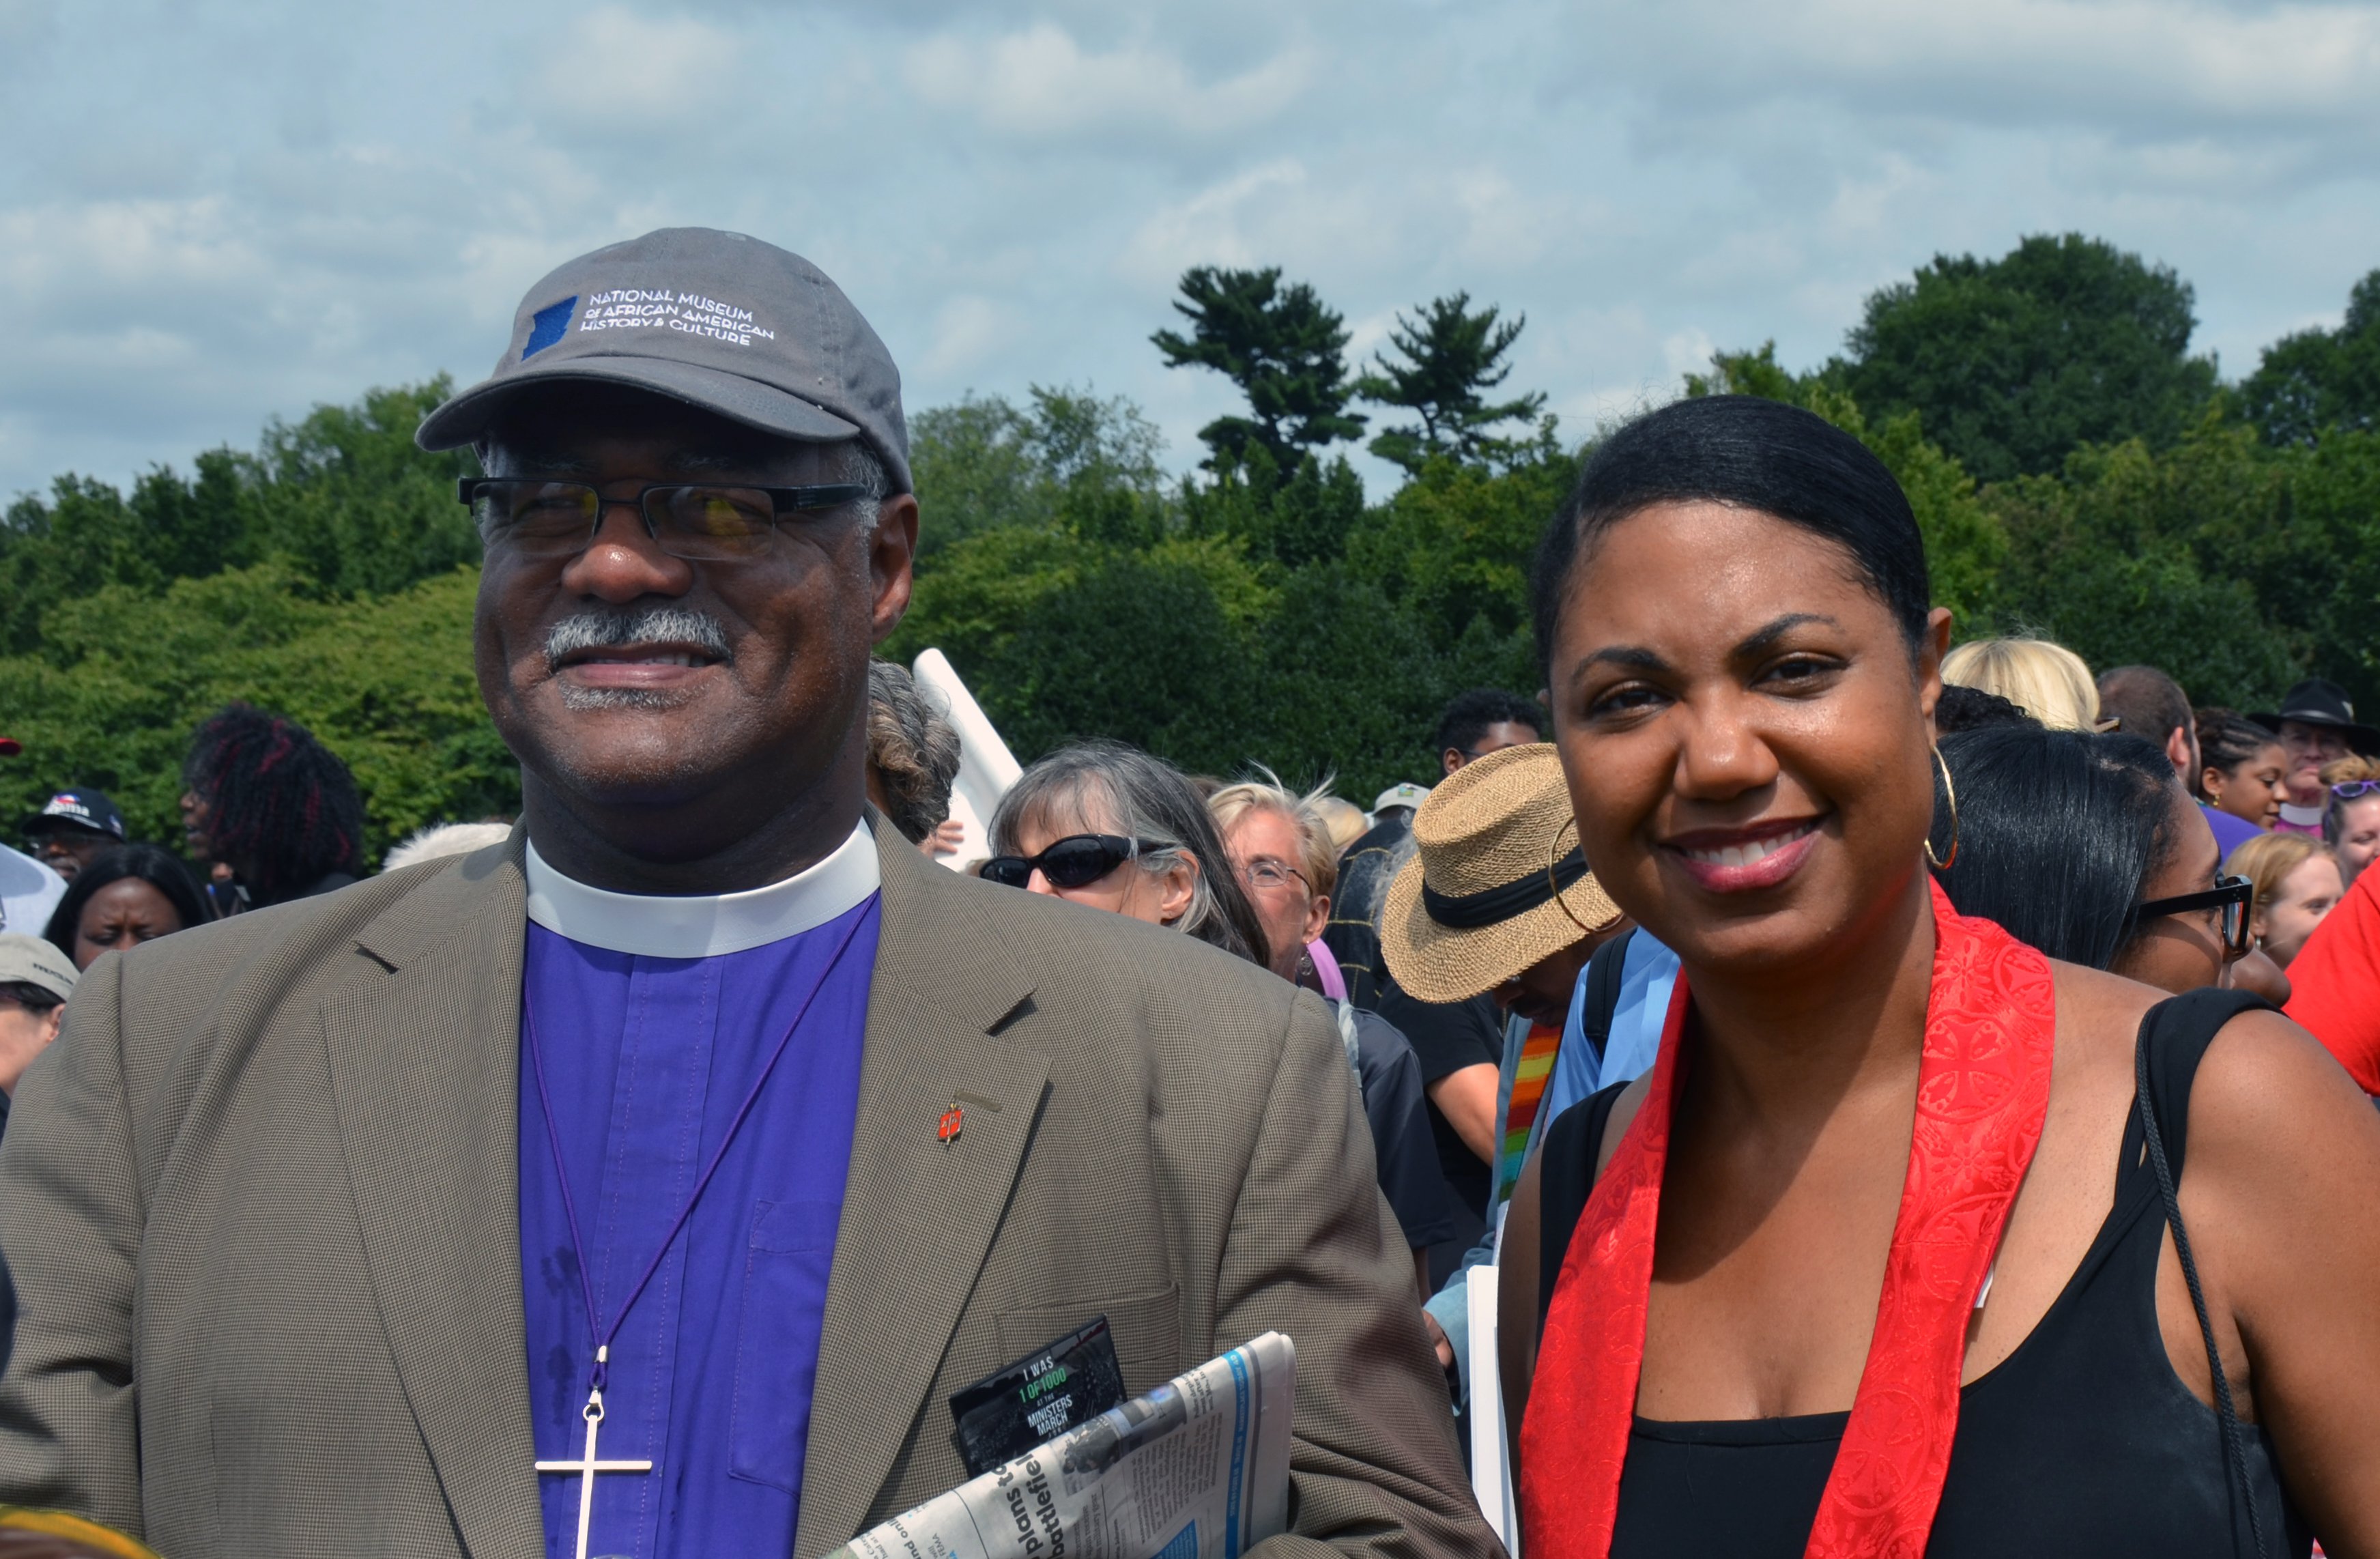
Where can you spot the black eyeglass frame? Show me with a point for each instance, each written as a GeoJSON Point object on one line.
{"type": "Point", "coordinates": [783, 501]}
{"type": "Point", "coordinates": [2234, 895]}
{"type": "Point", "coordinates": [1115, 846]}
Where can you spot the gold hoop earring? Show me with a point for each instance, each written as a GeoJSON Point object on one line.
{"type": "Point", "coordinates": [1553, 880]}
{"type": "Point", "coordinates": [1950, 792]}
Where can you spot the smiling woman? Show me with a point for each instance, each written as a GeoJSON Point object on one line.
{"type": "Point", "coordinates": [1852, 1250]}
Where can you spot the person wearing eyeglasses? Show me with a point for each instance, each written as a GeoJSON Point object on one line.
{"type": "Point", "coordinates": [2351, 813]}
{"type": "Point", "coordinates": [1280, 845]}
{"type": "Point", "coordinates": [1110, 827]}
{"type": "Point", "coordinates": [2086, 847]}
{"type": "Point", "coordinates": [289, 1211]}
{"type": "Point", "coordinates": [2316, 726]}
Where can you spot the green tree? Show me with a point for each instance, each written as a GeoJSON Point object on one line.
{"type": "Point", "coordinates": [1305, 518]}
{"type": "Point", "coordinates": [1966, 543]}
{"type": "Point", "coordinates": [2013, 363]}
{"type": "Point", "coordinates": [1452, 359]}
{"type": "Point", "coordinates": [347, 498]}
{"type": "Point", "coordinates": [2097, 564]}
{"type": "Point", "coordinates": [1281, 345]}
{"type": "Point", "coordinates": [987, 462]}
{"type": "Point", "coordinates": [125, 675]}
{"type": "Point", "coordinates": [2317, 379]}
{"type": "Point", "coordinates": [343, 499]}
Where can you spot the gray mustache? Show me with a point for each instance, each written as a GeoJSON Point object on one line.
{"type": "Point", "coordinates": [650, 625]}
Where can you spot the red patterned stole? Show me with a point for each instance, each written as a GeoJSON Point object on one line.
{"type": "Point", "coordinates": [1983, 1090]}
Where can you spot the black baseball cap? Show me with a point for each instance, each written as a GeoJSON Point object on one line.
{"type": "Point", "coordinates": [719, 320]}
{"type": "Point", "coordinates": [85, 809]}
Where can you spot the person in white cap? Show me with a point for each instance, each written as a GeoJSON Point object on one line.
{"type": "Point", "coordinates": [35, 980]}
{"type": "Point", "coordinates": [29, 890]}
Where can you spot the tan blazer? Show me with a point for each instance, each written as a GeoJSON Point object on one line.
{"type": "Point", "coordinates": [259, 1207]}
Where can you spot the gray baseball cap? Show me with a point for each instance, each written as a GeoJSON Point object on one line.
{"type": "Point", "coordinates": [717, 320]}
{"type": "Point", "coordinates": [33, 961]}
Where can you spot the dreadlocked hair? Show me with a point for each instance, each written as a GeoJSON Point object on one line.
{"type": "Point", "coordinates": [280, 805]}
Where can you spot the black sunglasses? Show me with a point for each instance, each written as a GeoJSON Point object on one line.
{"type": "Point", "coordinates": [2231, 895]}
{"type": "Point", "coordinates": [1076, 861]}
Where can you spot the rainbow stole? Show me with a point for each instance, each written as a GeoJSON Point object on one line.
{"type": "Point", "coordinates": [1529, 1082]}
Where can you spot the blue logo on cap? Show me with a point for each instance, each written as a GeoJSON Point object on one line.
{"type": "Point", "coordinates": [545, 326]}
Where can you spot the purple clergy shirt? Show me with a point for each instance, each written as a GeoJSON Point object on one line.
{"type": "Point", "coordinates": [647, 1060]}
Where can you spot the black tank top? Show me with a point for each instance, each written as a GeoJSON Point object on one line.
{"type": "Point", "coordinates": [2082, 1442]}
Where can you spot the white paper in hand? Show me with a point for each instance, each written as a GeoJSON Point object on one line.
{"type": "Point", "coordinates": [1197, 1468]}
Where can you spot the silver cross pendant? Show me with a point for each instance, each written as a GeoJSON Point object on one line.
{"type": "Point", "coordinates": [587, 1467]}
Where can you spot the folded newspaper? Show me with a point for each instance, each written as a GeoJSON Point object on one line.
{"type": "Point", "coordinates": [1198, 1467]}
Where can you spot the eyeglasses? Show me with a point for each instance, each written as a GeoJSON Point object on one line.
{"type": "Point", "coordinates": [1076, 861]}
{"type": "Point", "coordinates": [2231, 895]}
{"type": "Point", "coordinates": [698, 523]}
{"type": "Point", "coordinates": [1266, 874]}
{"type": "Point", "coordinates": [2348, 790]}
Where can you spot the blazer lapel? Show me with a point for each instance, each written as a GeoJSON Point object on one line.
{"type": "Point", "coordinates": [920, 1212]}
{"type": "Point", "coordinates": [424, 1054]}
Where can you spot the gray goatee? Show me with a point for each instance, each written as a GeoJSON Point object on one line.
{"type": "Point", "coordinates": [649, 624]}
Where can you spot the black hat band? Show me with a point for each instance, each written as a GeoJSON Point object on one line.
{"type": "Point", "coordinates": [1463, 912]}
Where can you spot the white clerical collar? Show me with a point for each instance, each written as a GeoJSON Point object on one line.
{"type": "Point", "coordinates": [703, 925]}
{"type": "Point", "coordinates": [2304, 817]}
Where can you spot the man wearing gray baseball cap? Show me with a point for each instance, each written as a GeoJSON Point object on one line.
{"type": "Point", "coordinates": [650, 1184]}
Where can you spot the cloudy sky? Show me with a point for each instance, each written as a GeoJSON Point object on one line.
{"type": "Point", "coordinates": [211, 214]}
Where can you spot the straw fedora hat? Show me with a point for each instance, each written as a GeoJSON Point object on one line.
{"type": "Point", "coordinates": [1490, 890]}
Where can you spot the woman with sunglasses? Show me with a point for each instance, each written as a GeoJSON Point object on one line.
{"type": "Point", "coordinates": [2351, 813]}
{"type": "Point", "coordinates": [1107, 826]}
{"type": "Point", "coordinates": [1871, 1262]}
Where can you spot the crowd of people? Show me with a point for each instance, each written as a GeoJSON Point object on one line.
{"type": "Point", "coordinates": [1766, 1001]}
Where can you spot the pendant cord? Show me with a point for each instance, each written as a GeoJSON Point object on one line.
{"type": "Point", "coordinates": [601, 1334]}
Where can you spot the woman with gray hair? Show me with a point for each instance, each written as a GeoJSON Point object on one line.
{"type": "Point", "coordinates": [1110, 826]}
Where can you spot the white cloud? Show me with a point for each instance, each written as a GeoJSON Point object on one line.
{"type": "Point", "coordinates": [968, 332]}
{"type": "Point", "coordinates": [279, 203]}
{"type": "Point", "coordinates": [618, 70]}
{"type": "Point", "coordinates": [2153, 66]}
{"type": "Point", "coordinates": [1208, 227]}
{"type": "Point", "coordinates": [1041, 83]}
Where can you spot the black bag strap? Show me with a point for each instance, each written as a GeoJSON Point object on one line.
{"type": "Point", "coordinates": [2183, 1027]}
{"type": "Point", "coordinates": [1603, 972]}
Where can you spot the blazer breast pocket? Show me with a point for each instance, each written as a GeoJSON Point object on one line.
{"type": "Point", "coordinates": [786, 1269]}
{"type": "Point", "coordinates": [1146, 1328]}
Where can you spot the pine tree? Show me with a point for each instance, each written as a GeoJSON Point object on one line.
{"type": "Point", "coordinates": [1280, 345]}
{"type": "Point", "coordinates": [1452, 357]}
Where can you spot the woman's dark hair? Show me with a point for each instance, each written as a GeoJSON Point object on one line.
{"type": "Point", "coordinates": [2057, 832]}
{"type": "Point", "coordinates": [1146, 798]}
{"type": "Point", "coordinates": [1754, 454]}
{"type": "Point", "coordinates": [1970, 709]}
{"type": "Point", "coordinates": [152, 865]}
{"type": "Point", "coordinates": [280, 808]}
{"type": "Point", "coordinates": [1468, 716]}
{"type": "Point", "coordinates": [2226, 741]}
